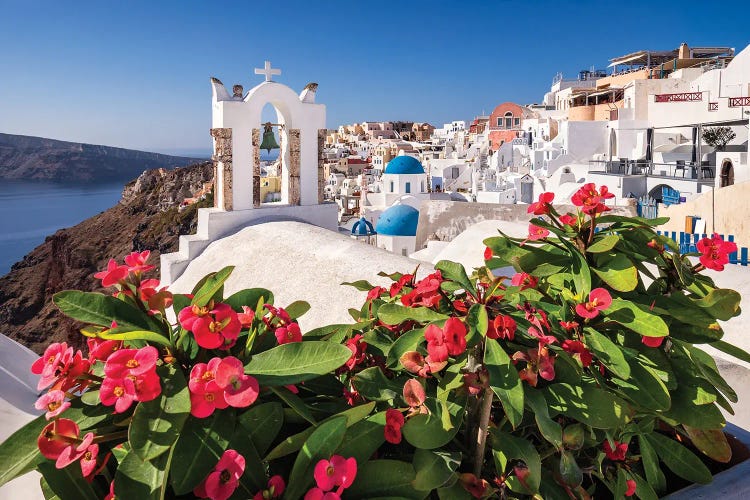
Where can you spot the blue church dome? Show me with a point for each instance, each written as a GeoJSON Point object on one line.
{"type": "Point", "coordinates": [363, 227]}
{"type": "Point", "coordinates": [399, 220]}
{"type": "Point", "coordinates": [404, 165]}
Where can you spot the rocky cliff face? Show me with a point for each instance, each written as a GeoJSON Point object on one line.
{"type": "Point", "coordinates": [147, 217]}
{"type": "Point", "coordinates": [37, 158]}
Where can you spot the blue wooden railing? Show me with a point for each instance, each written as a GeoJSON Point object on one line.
{"type": "Point", "coordinates": [688, 241]}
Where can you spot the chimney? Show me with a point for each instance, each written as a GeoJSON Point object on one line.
{"type": "Point", "coordinates": [683, 52]}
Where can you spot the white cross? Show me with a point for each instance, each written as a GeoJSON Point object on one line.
{"type": "Point", "coordinates": [267, 71]}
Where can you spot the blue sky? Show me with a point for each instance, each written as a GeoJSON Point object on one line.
{"type": "Point", "coordinates": [136, 74]}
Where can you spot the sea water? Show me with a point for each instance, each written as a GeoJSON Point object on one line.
{"type": "Point", "coordinates": [31, 211]}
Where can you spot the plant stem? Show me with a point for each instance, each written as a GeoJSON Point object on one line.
{"type": "Point", "coordinates": [484, 420]}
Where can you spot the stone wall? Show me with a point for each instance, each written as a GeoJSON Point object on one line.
{"type": "Point", "coordinates": [447, 219]}
{"type": "Point", "coordinates": [222, 159]}
{"type": "Point", "coordinates": [294, 166]}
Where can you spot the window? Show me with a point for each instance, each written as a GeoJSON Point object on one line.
{"type": "Point", "coordinates": [508, 120]}
{"type": "Point", "coordinates": [421, 187]}
{"type": "Point", "coordinates": [499, 122]}
{"type": "Point", "coordinates": [408, 187]}
{"type": "Point", "coordinates": [454, 172]}
{"type": "Point", "coordinates": [516, 122]}
{"type": "Point", "coordinates": [391, 186]}
{"type": "Point", "coordinates": [403, 252]}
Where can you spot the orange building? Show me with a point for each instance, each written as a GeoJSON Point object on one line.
{"type": "Point", "coordinates": [505, 123]}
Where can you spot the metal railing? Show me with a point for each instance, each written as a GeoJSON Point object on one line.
{"type": "Point", "coordinates": [686, 170]}
{"type": "Point", "coordinates": [713, 106]}
{"type": "Point", "coordinates": [735, 102]}
{"type": "Point", "coordinates": [681, 97]}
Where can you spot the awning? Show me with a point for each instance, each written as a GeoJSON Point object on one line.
{"type": "Point", "coordinates": [628, 58]}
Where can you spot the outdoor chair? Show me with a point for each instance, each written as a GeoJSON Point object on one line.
{"type": "Point", "coordinates": [680, 166]}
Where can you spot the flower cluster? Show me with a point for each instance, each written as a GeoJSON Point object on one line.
{"type": "Point", "coordinates": [218, 384]}
{"type": "Point", "coordinates": [61, 441]}
{"type": "Point", "coordinates": [224, 479]}
{"type": "Point", "coordinates": [337, 472]}
{"type": "Point", "coordinates": [215, 326]}
{"type": "Point", "coordinates": [130, 375]}
{"type": "Point", "coordinates": [62, 370]}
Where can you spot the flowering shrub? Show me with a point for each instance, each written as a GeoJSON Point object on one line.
{"type": "Point", "coordinates": [567, 367]}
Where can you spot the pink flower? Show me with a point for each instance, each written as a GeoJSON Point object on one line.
{"type": "Point", "coordinates": [156, 298]}
{"type": "Point", "coordinates": [524, 281]}
{"type": "Point", "coordinates": [88, 460]}
{"type": "Point", "coordinates": [715, 252]}
{"type": "Point", "coordinates": [338, 471]}
{"type": "Point", "coordinates": [54, 402]}
{"type": "Point", "coordinates": [394, 420]}
{"type": "Point", "coordinates": [117, 392]}
{"type": "Point", "coordinates": [51, 363]}
{"type": "Point", "coordinates": [541, 207]}
{"type": "Point", "coordinates": [56, 437]}
{"type": "Point", "coordinates": [617, 453]}
{"type": "Point", "coordinates": [475, 486]}
{"type": "Point", "coordinates": [131, 362]}
{"type": "Point", "coordinates": [100, 349]}
{"type": "Point", "coordinates": [569, 325]}
{"type": "Point", "coordinates": [246, 317]}
{"type": "Point", "coordinates": [205, 393]}
{"type": "Point", "coordinates": [538, 362]}
{"type": "Point", "coordinates": [74, 451]}
{"type": "Point", "coordinates": [414, 393]}
{"type": "Point", "coordinates": [275, 488]}
{"type": "Point", "coordinates": [136, 262]}
{"type": "Point", "coordinates": [652, 341]}
{"type": "Point", "coordinates": [111, 495]}
{"type": "Point", "coordinates": [475, 382]}
{"type": "Point", "coordinates": [288, 333]}
{"type": "Point", "coordinates": [416, 363]}
{"type": "Point", "coordinates": [113, 275]}
{"type": "Point", "coordinates": [223, 480]}
{"type": "Point", "coordinates": [147, 386]}
{"type": "Point", "coordinates": [318, 494]}
{"type": "Point", "coordinates": [540, 336]}
{"type": "Point", "coordinates": [576, 349]}
{"type": "Point", "coordinates": [568, 220]}
{"type": "Point", "coordinates": [240, 390]}
{"type": "Point", "coordinates": [599, 300]}
{"type": "Point", "coordinates": [536, 233]}
{"type": "Point", "coordinates": [213, 328]}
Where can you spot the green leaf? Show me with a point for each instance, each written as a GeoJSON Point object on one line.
{"type": "Point", "coordinates": [436, 429]}
{"type": "Point", "coordinates": [295, 403]}
{"type": "Point", "coordinates": [142, 480]}
{"type": "Point", "coordinates": [569, 471]}
{"type": "Point", "coordinates": [643, 489]}
{"type": "Point", "coordinates": [723, 304]}
{"type": "Point", "coordinates": [198, 449]}
{"type": "Point", "coordinates": [296, 362]}
{"type": "Point", "coordinates": [603, 244]}
{"type": "Point", "coordinates": [637, 318]}
{"type": "Point", "coordinates": [363, 438]}
{"type": "Point", "coordinates": [297, 309]}
{"type": "Point", "coordinates": [249, 297]}
{"type": "Point", "coordinates": [47, 491]}
{"type": "Point", "coordinates": [373, 385]}
{"type": "Point", "coordinates": [383, 479]}
{"type": "Point", "coordinates": [361, 285]}
{"type": "Point", "coordinates": [434, 468]}
{"type": "Point", "coordinates": [456, 272]}
{"type": "Point", "coordinates": [157, 423]}
{"type": "Point", "coordinates": [608, 353]}
{"type": "Point", "coordinates": [711, 442]}
{"type": "Point", "coordinates": [406, 342]}
{"type": "Point", "coordinates": [321, 444]}
{"type": "Point", "coordinates": [395, 314]}
{"type": "Point", "coordinates": [592, 406]}
{"type": "Point", "coordinates": [122, 333]}
{"type": "Point", "coordinates": [477, 319]}
{"type": "Point", "coordinates": [214, 283]}
{"type": "Point", "coordinates": [507, 447]}
{"type": "Point", "coordinates": [262, 424]}
{"type": "Point", "coordinates": [19, 453]}
{"type": "Point", "coordinates": [732, 350]}
{"type": "Point", "coordinates": [679, 459]}
{"type": "Point", "coordinates": [550, 429]}
{"type": "Point", "coordinates": [645, 388]}
{"type": "Point", "coordinates": [504, 381]}
{"type": "Point", "coordinates": [619, 273]}
{"type": "Point", "coordinates": [67, 482]}
{"type": "Point", "coordinates": [102, 310]}
{"type": "Point", "coordinates": [650, 460]}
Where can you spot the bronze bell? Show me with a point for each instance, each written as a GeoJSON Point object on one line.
{"type": "Point", "coordinates": [269, 141]}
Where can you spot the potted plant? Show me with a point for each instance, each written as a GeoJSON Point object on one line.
{"type": "Point", "coordinates": [577, 376]}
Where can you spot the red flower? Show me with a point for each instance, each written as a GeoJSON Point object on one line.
{"type": "Point", "coordinates": [416, 363]}
{"type": "Point", "coordinates": [337, 471]}
{"type": "Point", "coordinates": [205, 393]}
{"type": "Point", "coordinates": [455, 336]}
{"type": "Point", "coordinates": [376, 292]}
{"type": "Point", "coordinates": [524, 281]}
{"type": "Point", "coordinates": [100, 349]}
{"type": "Point", "coordinates": [117, 392]}
{"type": "Point", "coordinates": [655, 245]}
{"type": "Point", "coordinates": [631, 487]}
{"type": "Point", "coordinates": [474, 382]}
{"type": "Point", "coordinates": [540, 336]}
{"type": "Point", "coordinates": [240, 390]}
{"type": "Point", "coordinates": [414, 394]}
{"type": "Point", "coordinates": [54, 402]}
{"type": "Point", "coordinates": [436, 348]}
{"type": "Point", "coordinates": [541, 207]}
{"type": "Point", "coordinates": [111, 495]}
{"type": "Point", "coordinates": [218, 327]}
{"type": "Point", "coordinates": [358, 348]}
{"type": "Point", "coordinates": [136, 262]}
{"type": "Point", "coordinates": [276, 487]}
{"type": "Point", "coordinates": [715, 252]}
{"type": "Point", "coordinates": [113, 274]}
{"type": "Point", "coordinates": [569, 219]}
{"type": "Point", "coordinates": [157, 300]}
{"type": "Point", "coordinates": [404, 280]}
{"type": "Point", "coordinates": [576, 349]}
{"type": "Point", "coordinates": [502, 327]}
{"type": "Point", "coordinates": [652, 341]}
{"type": "Point", "coordinates": [617, 453]}
{"type": "Point", "coordinates": [599, 300]}
{"type": "Point", "coordinates": [57, 436]}
{"type": "Point", "coordinates": [569, 325]}
{"type": "Point", "coordinates": [487, 253]}
{"type": "Point", "coordinates": [223, 480]}
{"type": "Point", "coordinates": [318, 494]}
{"type": "Point", "coordinates": [60, 367]}
{"type": "Point", "coordinates": [289, 333]}
{"type": "Point", "coordinates": [591, 200]}
{"type": "Point", "coordinates": [394, 420]}
{"type": "Point", "coordinates": [536, 233]}
{"type": "Point", "coordinates": [426, 292]}
{"type": "Point", "coordinates": [538, 362]}
{"type": "Point", "coordinates": [474, 485]}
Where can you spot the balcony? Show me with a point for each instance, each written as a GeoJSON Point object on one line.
{"type": "Point", "coordinates": [736, 102]}
{"type": "Point", "coordinates": [681, 97]}
{"type": "Point", "coordinates": [686, 170]}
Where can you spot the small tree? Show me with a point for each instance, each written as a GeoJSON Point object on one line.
{"type": "Point", "coordinates": [718, 137]}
